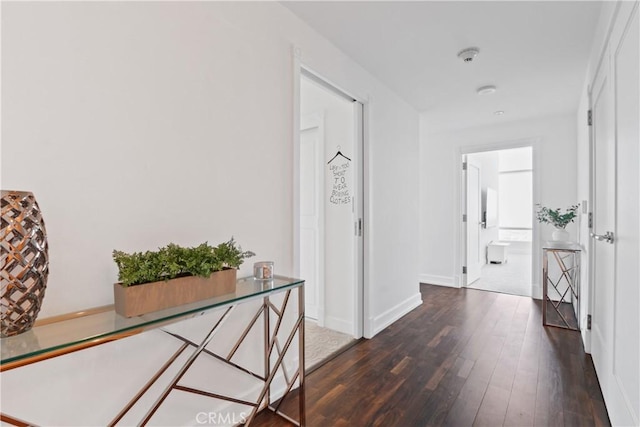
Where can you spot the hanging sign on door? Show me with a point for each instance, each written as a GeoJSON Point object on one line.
{"type": "Point", "coordinates": [339, 168]}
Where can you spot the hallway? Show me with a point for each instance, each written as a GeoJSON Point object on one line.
{"type": "Point", "coordinates": [464, 357]}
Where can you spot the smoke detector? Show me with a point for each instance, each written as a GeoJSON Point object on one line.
{"type": "Point", "coordinates": [486, 90]}
{"type": "Point", "coordinates": [468, 54]}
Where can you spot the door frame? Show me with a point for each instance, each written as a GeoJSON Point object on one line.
{"type": "Point", "coordinates": [590, 244]}
{"type": "Point", "coordinates": [465, 184]}
{"type": "Point", "coordinates": [362, 325]}
{"type": "Point", "coordinates": [459, 248]}
{"type": "Point", "coordinates": [312, 121]}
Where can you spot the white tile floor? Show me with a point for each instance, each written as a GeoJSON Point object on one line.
{"type": "Point", "coordinates": [512, 277]}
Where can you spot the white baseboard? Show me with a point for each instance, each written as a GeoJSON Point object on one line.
{"type": "Point", "coordinates": [536, 291]}
{"type": "Point", "coordinates": [439, 280]}
{"type": "Point", "coordinates": [339, 325]}
{"type": "Point", "coordinates": [321, 314]}
{"type": "Point", "coordinates": [380, 322]}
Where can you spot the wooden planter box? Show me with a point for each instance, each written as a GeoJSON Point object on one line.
{"type": "Point", "coordinates": [140, 299]}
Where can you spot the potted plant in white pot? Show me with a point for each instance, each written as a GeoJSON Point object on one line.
{"type": "Point", "coordinates": [558, 218]}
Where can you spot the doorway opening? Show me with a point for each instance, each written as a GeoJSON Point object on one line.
{"type": "Point", "coordinates": [499, 220]}
{"type": "Point", "coordinates": [330, 217]}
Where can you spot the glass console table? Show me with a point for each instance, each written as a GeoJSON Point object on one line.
{"type": "Point", "coordinates": [68, 333]}
{"type": "Point", "coordinates": [561, 285]}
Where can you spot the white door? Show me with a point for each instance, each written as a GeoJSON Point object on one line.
{"type": "Point", "coordinates": [615, 318]}
{"type": "Point", "coordinates": [312, 214]}
{"type": "Point", "coordinates": [474, 254]}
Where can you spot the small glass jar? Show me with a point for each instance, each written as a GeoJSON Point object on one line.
{"type": "Point", "coordinates": [263, 270]}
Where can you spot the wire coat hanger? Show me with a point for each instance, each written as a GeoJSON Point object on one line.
{"type": "Point", "coordinates": [339, 153]}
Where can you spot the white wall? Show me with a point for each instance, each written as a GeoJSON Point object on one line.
{"type": "Point", "coordinates": [146, 123]}
{"type": "Point", "coordinates": [138, 124]}
{"type": "Point", "coordinates": [440, 174]}
{"type": "Point", "coordinates": [339, 270]}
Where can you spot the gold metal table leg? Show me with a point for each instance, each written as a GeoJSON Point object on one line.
{"type": "Point", "coordinates": [185, 367]}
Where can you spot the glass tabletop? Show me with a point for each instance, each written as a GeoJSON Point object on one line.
{"type": "Point", "coordinates": [561, 246]}
{"type": "Point", "coordinates": [108, 325]}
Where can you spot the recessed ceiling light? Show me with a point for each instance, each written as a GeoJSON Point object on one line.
{"type": "Point", "coordinates": [498, 113]}
{"type": "Point", "coordinates": [486, 90]}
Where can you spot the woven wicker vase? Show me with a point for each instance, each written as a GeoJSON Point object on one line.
{"type": "Point", "coordinates": [24, 261]}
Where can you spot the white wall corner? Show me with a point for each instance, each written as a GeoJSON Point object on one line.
{"type": "Point", "coordinates": [586, 335]}
{"type": "Point", "coordinates": [458, 281]}
{"type": "Point", "coordinates": [536, 291]}
{"type": "Point", "coordinates": [369, 98]}
{"type": "Point", "coordinates": [321, 317]}
{"type": "Point", "coordinates": [339, 325]}
{"type": "Point", "coordinates": [296, 52]}
{"type": "Point", "coordinates": [432, 279]}
{"type": "Point", "coordinates": [379, 323]}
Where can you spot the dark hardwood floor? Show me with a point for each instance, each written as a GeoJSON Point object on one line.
{"type": "Point", "coordinates": [465, 357]}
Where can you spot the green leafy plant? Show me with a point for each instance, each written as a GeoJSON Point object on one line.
{"type": "Point", "coordinates": [174, 261]}
{"type": "Point", "coordinates": [556, 217]}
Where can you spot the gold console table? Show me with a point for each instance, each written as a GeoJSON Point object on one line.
{"type": "Point", "coordinates": [65, 334]}
{"type": "Point", "coordinates": [561, 285]}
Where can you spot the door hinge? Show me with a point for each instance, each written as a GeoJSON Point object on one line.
{"type": "Point", "coordinates": [464, 166]}
{"type": "Point", "coordinates": [464, 217]}
{"type": "Point", "coordinates": [464, 269]}
{"type": "Point", "coordinates": [589, 118]}
{"type": "Point", "coordinates": [588, 321]}
{"type": "Point", "coordinates": [590, 219]}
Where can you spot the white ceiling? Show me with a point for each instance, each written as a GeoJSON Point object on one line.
{"type": "Point", "coordinates": [534, 52]}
